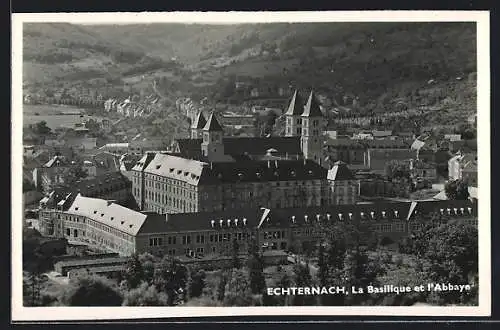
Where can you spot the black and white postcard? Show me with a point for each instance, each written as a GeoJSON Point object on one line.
{"type": "Point", "coordinates": [189, 164]}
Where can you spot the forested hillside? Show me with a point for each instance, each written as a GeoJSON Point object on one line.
{"type": "Point", "coordinates": [377, 64]}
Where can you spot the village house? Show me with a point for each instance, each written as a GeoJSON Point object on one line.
{"type": "Point", "coordinates": [464, 166]}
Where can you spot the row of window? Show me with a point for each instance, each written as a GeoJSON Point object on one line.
{"type": "Point", "coordinates": [201, 239]}
{"type": "Point", "coordinates": [274, 234]}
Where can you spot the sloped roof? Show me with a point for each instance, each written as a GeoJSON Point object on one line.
{"type": "Point", "coordinates": [196, 172]}
{"type": "Point", "coordinates": [143, 162]}
{"type": "Point", "coordinates": [296, 105]}
{"type": "Point", "coordinates": [56, 161]}
{"type": "Point", "coordinates": [312, 109]}
{"type": "Point", "coordinates": [201, 221]}
{"type": "Point", "coordinates": [417, 144]}
{"type": "Point", "coordinates": [340, 172]}
{"type": "Point", "coordinates": [212, 124]}
{"type": "Point", "coordinates": [182, 169]}
{"type": "Point", "coordinates": [444, 206]}
{"type": "Point", "coordinates": [111, 214]}
{"type": "Point", "coordinates": [237, 146]}
{"type": "Point", "coordinates": [199, 121]}
{"type": "Point", "coordinates": [385, 143]}
{"type": "Point", "coordinates": [262, 171]}
{"type": "Point", "coordinates": [287, 217]}
{"type": "Point", "coordinates": [344, 143]}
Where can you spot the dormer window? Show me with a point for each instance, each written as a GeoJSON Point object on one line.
{"type": "Point", "coordinates": [442, 211]}
{"type": "Point", "coordinates": [318, 217]}
{"type": "Point", "coordinates": [340, 216]}
{"type": "Point", "coordinates": [95, 212]}
{"type": "Point", "coordinates": [383, 214]}
{"type": "Point", "coordinates": [229, 222]}
{"type": "Point", "coordinates": [112, 218]}
{"type": "Point", "coordinates": [455, 210]}
{"type": "Point", "coordinates": [305, 218]}
{"type": "Point", "coordinates": [396, 213]}
{"type": "Point", "coordinates": [212, 223]}
{"type": "Point", "coordinates": [244, 221]}
{"type": "Point", "coordinates": [350, 216]}
{"type": "Point", "coordinates": [449, 211]}
{"type": "Point", "coordinates": [76, 209]}
{"type": "Point", "coordinates": [221, 222]}
{"type": "Point", "coordinates": [462, 210]}
{"type": "Point", "coordinates": [236, 222]}
{"type": "Point", "coordinates": [470, 210]}
{"type": "Point", "coordinates": [328, 216]}
{"type": "Point", "coordinates": [122, 222]}
{"type": "Point", "coordinates": [293, 219]}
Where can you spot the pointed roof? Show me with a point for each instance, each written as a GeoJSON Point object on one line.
{"type": "Point", "coordinates": [296, 106]}
{"type": "Point", "coordinates": [212, 124]}
{"type": "Point", "coordinates": [340, 172]}
{"type": "Point", "coordinates": [199, 121]}
{"type": "Point", "coordinates": [311, 109]}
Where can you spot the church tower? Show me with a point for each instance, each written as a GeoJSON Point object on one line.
{"type": "Point", "coordinates": [293, 124]}
{"type": "Point", "coordinates": [311, 140]}
{"type": "Point", "coordinates": [212, 146]}
{"type": "Point", "coordinates": [197, 126]}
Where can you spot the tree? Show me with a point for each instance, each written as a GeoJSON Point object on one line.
{"type": "Point", "coordinates": [145, 295]}
{"type": "Point", "coordinates": [134, 272]}
{"type": "Point", "coordinates": [457, 189]}
{"type": "Point", "coordinates": [236, 254]}
{"type": "Point", "coordinates": [302, 278]}
{"type": "Point", "coordinates": [147, 261]}
{"type": "Point", "coordinates": [197, 284]}
{"type": "Point", "coordinates": [74, 174]}
{"type": "Point", "coordinates": [171, 277]}
{"type": "Point", "coordinates": [452, 250]}
{"type": "Point", "coordinates": [395, 169]}
{"type": "Point", "coordinates": [41, 128]}
{"type": "Point", "coordinates": [221, 288]}
{"type": "Point", "coordinates": [91, 291]}
{"type": "Point", "coordinates": [359, 271]}
{"type": "Point", "coordinates": [255, 264]}
{"type": "Point", "coordinates": [238, 290]}
{"type": "Point", "coordinates": [323, 266]}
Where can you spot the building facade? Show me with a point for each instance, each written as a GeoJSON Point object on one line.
{"type": "Point", "coordinates": [112, 228]}
{"type": "Point", "coordinates": [171, 184]}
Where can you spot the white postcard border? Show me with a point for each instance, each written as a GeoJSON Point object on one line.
{"type": "Point", "coordinates": [20, 313]}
